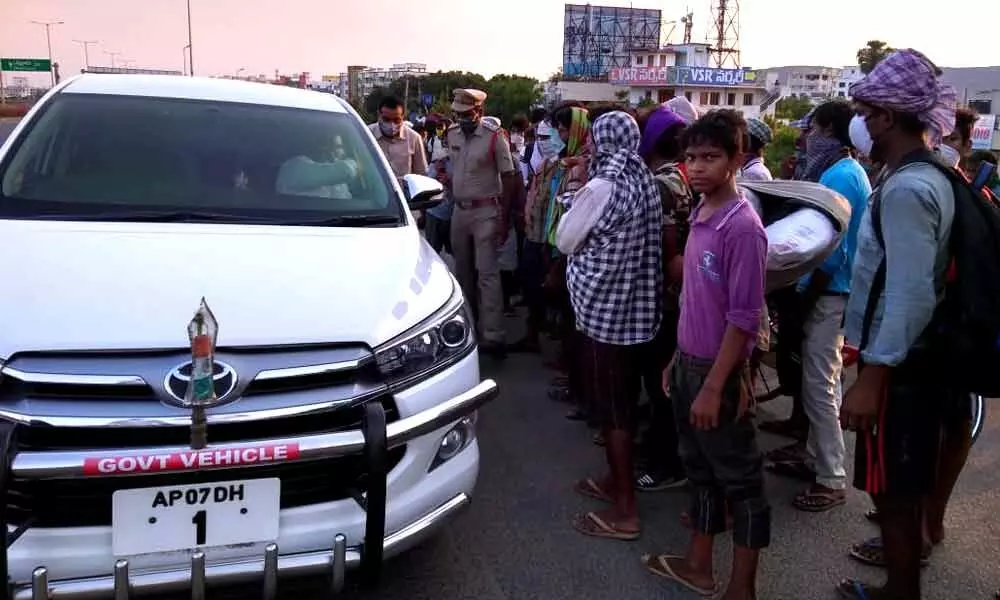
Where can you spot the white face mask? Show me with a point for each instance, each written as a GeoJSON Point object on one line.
{"type": "Point", "coordinates": [860, 136]}
{"type": "Point", "coordinates": [949, 155]}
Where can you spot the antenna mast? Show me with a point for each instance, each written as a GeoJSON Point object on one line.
{"type": "Point", "coordinates": [727, 33]}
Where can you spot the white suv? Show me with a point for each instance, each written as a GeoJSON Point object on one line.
{"type": "Point", "coordinates": [345, 380]}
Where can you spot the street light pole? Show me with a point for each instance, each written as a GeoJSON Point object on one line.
{"type": "Point", "coordinates": [86, 51]}
{"type": "Point", "coordinates": [112, 55]}
{"type": "Point", "coordinates": [48, 42]}
{"type": "Point", "coordinates": [190, 47]}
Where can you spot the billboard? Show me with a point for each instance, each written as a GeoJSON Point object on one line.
{"type": "Point", "coordinates": [982, 132]}
{"type": "Point", "coordinates": [684, 76]}
{"type": "Point", "coordinates": [597, 39]}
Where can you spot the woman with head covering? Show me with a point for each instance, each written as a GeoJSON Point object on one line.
{"type": "Point", "coordinates": [615, 281]}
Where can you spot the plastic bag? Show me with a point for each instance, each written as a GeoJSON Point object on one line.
{"type": "Point", "coordinates": [798, 239]}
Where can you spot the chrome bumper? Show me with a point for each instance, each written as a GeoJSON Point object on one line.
{"type": "Point", "coordinates": [267, 569]}
{"type": "Point", "coordinates": [373, 441]}
{"type": "Point", "coordinates": [51, 465]}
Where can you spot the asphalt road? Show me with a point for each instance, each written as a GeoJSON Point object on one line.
{"type": "Point", "coordinates": [516, 542]}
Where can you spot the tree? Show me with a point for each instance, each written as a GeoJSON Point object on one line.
{"type": "Point", "coordinates": [510, 95]}
{"type": "Point", "coordinates": [872, 54]}
{"type": "Point", "coordinates": [793, 107]}
{"type": "Point", "coordinates": [507, 94]}
{"type": "Point", "coordinates": [781, 147]}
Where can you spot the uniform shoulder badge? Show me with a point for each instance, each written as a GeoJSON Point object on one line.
{"type": "Point", "coordinates": [491, 124]}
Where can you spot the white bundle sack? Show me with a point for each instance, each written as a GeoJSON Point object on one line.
{"type": "Point", "coordinates": [798, 238]}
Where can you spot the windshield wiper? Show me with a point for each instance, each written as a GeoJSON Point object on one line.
{"type": "Point", "coordinates": [347, 221]}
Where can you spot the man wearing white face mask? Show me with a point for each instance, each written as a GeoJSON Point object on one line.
{"type": "Point", "coordinates": [905, 410]}
{"type": "Point", "coordinates": [402, 146]}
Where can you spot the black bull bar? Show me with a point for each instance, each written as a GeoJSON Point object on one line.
{"type": "Point", "coordinates": [378, 438]}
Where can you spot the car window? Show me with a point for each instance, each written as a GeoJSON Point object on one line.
{"type": "Point", "coordinates": [104, 154]}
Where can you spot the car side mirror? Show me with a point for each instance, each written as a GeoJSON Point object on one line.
{"type": "Point", "coordinates": [422, 192]}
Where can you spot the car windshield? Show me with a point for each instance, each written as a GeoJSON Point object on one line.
{"type": "Point", "coordinates": [104, 157]}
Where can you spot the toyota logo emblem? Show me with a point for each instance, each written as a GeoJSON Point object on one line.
{"type": "Point", "coordinates": [177, 380]}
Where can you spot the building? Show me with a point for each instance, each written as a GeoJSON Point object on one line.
{"type": "Point", "coordinates": [359, 81]}
{"type": "Point", "coordinates": [804, 81]}
{"type": "Point", "coordinates": [597, 39]}
{"type": "Point", "coordinates": [848, 75]}
{"type": "Point", "coordinates": [656, 75]}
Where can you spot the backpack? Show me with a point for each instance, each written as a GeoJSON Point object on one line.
{"type": "Point", "coordinates": [964, 332]}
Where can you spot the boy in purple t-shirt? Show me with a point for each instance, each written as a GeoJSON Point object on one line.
{"type": "Point", "coordinates": [708, 378]}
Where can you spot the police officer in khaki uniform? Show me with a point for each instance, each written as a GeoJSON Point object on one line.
{"type": "Point", "coordinates": [482, 182]}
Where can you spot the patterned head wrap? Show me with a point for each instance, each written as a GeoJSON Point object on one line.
{"type": "Point", "coordinates": [907, 82]}
{"type": "Point", "coordinates": [759, 130]}
{"type": "Point", "coordinates": [579, 131]}
{"type": "Point", "coordinates": [683, 107]}
{"type": "Point", "coordinates": [659, 121]}
{"type": "Point", "coordinates": [616, 144]}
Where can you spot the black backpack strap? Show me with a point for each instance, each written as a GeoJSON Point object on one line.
{"type": "Point", "coordinates": [878, 283]}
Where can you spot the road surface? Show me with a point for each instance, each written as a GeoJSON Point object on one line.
{"type": "Point", "coordinates": [516, 542]}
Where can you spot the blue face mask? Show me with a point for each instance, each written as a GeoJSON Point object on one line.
{"type": "Point", "coordinates": [551, 147]}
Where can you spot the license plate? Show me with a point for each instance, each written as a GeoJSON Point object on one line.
{"type": "Point", "coordinates": [182, 517]}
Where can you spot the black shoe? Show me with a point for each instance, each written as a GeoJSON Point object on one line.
{"type": "Point", "coordinates": [649, 481]}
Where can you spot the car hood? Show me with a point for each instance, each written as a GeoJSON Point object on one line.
{"type": "Point", "coordinates": [125, 286]}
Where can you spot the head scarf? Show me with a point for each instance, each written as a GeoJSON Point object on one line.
{"type": "Point", "coordinates": [822, 152]}
{"type": "Point", "coordinates": [683, 107]}
{"type": "Point", "coordinates": [907, 82]}
{"type": "Point", "coordinates": [556, 173]}
{"type": "Point", "coordinates": [579, 131]}
{"type": "Point", "coordinates": [659, 121]}
{"type": "Point", "coordinates": [805, 122]}
{"type": "Point", "coordinates": [760, 130]}
{"type": "Point", "coordinates": [616, 144]}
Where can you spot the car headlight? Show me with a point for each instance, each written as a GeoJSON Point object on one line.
{"type": "Point", "coordinates": [457, 438]}
{"type": "Point", "coordinates": [441, 339]}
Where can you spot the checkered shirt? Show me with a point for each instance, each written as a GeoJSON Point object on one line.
{"type": "Point", "coordinates": [615, 280]}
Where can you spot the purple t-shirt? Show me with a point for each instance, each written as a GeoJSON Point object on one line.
{"type": "Point", "coordinates": [724, 271]}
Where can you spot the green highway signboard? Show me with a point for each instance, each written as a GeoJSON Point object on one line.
{"type": "Point", "coordinates": [25, 64]}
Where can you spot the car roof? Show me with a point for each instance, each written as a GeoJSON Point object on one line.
{"type": "Point", "coordinates": [203, 88]}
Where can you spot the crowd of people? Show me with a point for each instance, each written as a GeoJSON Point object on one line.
{"type": "Point", "coordinates": [627, 237]}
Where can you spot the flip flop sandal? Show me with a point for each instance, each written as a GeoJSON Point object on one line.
{"type": "Point", "coordinates": [872, 553]}
{"type": "Point", "coordinates": [816, 500]}
{"type": "Point", "coordinates": [593, 525]}
{"type": "Point", "coordinates": [660, 565]}
{"type": "Point", "coordinates": [851, 589]}
{"type": "Point", "coordinates": [794, 470]}
{"type": "Point", "coordinates": [591, 489]}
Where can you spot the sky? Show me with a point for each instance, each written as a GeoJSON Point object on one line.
{"type": "Point", "coordinates": [518, 36]}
